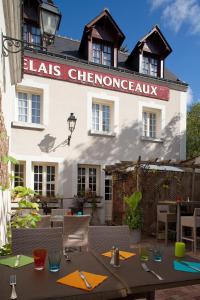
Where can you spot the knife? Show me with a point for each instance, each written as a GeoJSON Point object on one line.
{"type": "Point", "coordinates": [88, 285]}
{"type": "Point", "coordinates": [17, 261]}
{"type": "Point", "coordinates": [189, 266]}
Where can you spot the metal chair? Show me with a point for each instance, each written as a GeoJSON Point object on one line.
{"type": "Point", "coordinates": [164, 216]}
{"type": "Point", "coordinates": [45, 222]}
{"type": "Point", "coordinates": [25, 240]}
{"type": "Point", "coordinates": [102, 238]}
{"type": "Point", "coordinates": [192, 222]}
{"type": "Point", "coordinates": [75, 231]}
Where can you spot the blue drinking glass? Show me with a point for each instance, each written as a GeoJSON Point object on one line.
{"type": "Point", "coordinates": [54, 258]}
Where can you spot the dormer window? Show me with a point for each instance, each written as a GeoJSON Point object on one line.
{"type": "Point", "coordinates": [101, 54]}
{"type": "Point", "coordinates": [32, 34]}
{"type": "Point", "coordinates": [150, 66]}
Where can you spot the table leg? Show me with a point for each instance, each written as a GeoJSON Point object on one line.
{"type": "Point", "coordinates": [178, 214]}
{"type": "Point", "coordinates": [150, 295]}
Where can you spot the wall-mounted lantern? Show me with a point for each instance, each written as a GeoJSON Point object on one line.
{"type": "Point", "coordinates": [71, 125]}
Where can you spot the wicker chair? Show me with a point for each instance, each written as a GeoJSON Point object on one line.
{"type": "Point", "coordinates": [192, 222]}
{"type": "Point", "coordinates": [102, 238]}
{"type": "Point", "coordinates": [75, 231]}
{"type": "Point", "coordinates": [45, 222]}
{"type": "Point", "coordinates": [24, 240]}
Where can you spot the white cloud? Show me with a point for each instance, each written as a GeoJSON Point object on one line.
{"type": "Point", "coordinates": [177, 13]}
{"type": "Point", "coordinates": [189, 96]}
{"type": "Point", "coordinates": [157, 3]}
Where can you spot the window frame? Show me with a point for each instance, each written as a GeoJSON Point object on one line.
{"type": "Point", "coordinates": [149, 124]}
{"type": "Point", "coordinates": [87, 183]}
{"type": "Point", "coordinates": [147, 61]}
{"type": "Point", "coordinates": [30, 94]}
{"type": "Point", "coordinates": [102, 46]}
{"type": "Point", "coordinates": [44, 178]}
{"type": "Point", "coordinates": [101, 118]}
{"type": "Point", "coordinates": [28, 35]}
{"type": "Point", "coordinates": [110, 193]}
{"type": "Point", "coordinates": [23, 178]}
{"type": "Point", "coordinates": [160, 110]}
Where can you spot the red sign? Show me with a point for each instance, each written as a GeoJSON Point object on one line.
{"type": "Point", "coordinates": [93, 78]}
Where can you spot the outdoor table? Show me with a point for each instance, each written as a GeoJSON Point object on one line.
{"type": "Point", "coordinates": [178, 212]}
{"type": "Point", "coordinates": [40, 285]}
{"type": "Point", "coordinates": [129, 279]}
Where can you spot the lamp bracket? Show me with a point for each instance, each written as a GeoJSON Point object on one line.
{"type": "Point", "coordinates": [11, 45]}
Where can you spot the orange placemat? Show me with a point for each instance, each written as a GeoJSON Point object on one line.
{"type": "Point", "coordinates": [122, 254]}
{"type": "Point", "coordinates": [74, 279]}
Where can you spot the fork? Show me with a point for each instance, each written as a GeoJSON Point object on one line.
{"type": "Point", "coordinates": [13, 282]}
{"type": "Point", "coordinates": [145, 268]}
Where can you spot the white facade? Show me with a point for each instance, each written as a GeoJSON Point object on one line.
{"type": "Point", "coordinates": [45, 144]}
{"type": "Point", "coordinates": [10, 73]}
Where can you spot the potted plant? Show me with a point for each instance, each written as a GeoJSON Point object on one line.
{"type": "Point", "coordinates": [133, 215]}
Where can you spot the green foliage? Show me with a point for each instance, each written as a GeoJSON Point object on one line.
{"type": "Point", "coordinates": [23, 192]}
{"type": "Point", "coordinates": [27, 221]}
{"type": "Point", "coordinates": [133, 217]}
{"type": "Point", "coordinates": [6, 159]}
{"type": "Point", "coordinates": [193, 131]}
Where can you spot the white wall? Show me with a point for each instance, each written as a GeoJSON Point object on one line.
{"type": "Point", "coordinates": [9, 25]}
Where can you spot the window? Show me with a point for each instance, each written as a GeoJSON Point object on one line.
{"type": "Point", "coordinates": [101, 54]}
{"type": "Point", "coordinates": [88, 180]}
{"type": "Point", "coordinates": [149, 124]}
{"type": "Point", "coordinates": [32, 35]}
{"type": "Point", "coordinates": [45, 179]}
{"type": "Point", "coordinates": [101, 117]}
{"type": "Point", "coordinates": [29, 108]}
{"type": "Point", "coordinates": [108, 187]}
{"type": "Point", "coordinates": [19, 171]}
{"type": "Point", "coordinates": [150, 66]}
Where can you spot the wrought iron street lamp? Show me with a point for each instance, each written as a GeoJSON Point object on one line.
{"type": "Point", "coordinates": [50, 17]}
{"type": "Point", "coordinates": [71, 125]}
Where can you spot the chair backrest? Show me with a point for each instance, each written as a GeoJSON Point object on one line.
{"type": "Point", "coordinates": [60, 211]}
{"type": "Point", "coordinates": [45, 222]}
{"type": "Point", "coordinates": [25, 240]}
{"type": "Point", "coordinates": [162, 209]}
{"type": "Point", "coordinates": [197, 212]}
{"type": "Point", "coordinates": [75, 230]}
{"type": "Point", "coordinates": [57, 212]}
{"type": "Point", "coordinates": [103, 238]}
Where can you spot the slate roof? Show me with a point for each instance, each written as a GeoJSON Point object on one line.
{"type": "Point", "coordinates": [65, 46]}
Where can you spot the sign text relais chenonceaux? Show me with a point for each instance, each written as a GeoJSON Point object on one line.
{"type": "Point", "coordinates": [93, 78]}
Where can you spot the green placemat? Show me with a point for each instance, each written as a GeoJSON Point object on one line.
{"type": "Point", "coordinates": [10, 261]}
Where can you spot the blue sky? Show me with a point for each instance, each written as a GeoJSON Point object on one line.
{"type": "Point", "coordinates": [179, 21]}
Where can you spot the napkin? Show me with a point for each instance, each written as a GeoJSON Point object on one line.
{"type": "Point", "coordinates": [74, 279]}
{"type": "Point", "coordinates": [179, 267]}
{"type": "Point", "coordinates": [122, 254]}
{"type": "Point", "coordinates": [10, 261]}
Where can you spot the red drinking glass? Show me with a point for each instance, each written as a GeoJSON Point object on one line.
{"type": "Point", "coordinates": [39, 256]}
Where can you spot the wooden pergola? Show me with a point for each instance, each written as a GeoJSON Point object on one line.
{"type": "Point", "coordinates": [128, 176]}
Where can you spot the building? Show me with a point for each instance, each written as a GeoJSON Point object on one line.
{"type": "Point", "coordinates": [10, 74]}
{"type": "Point", "coordinates": [126, 105]}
